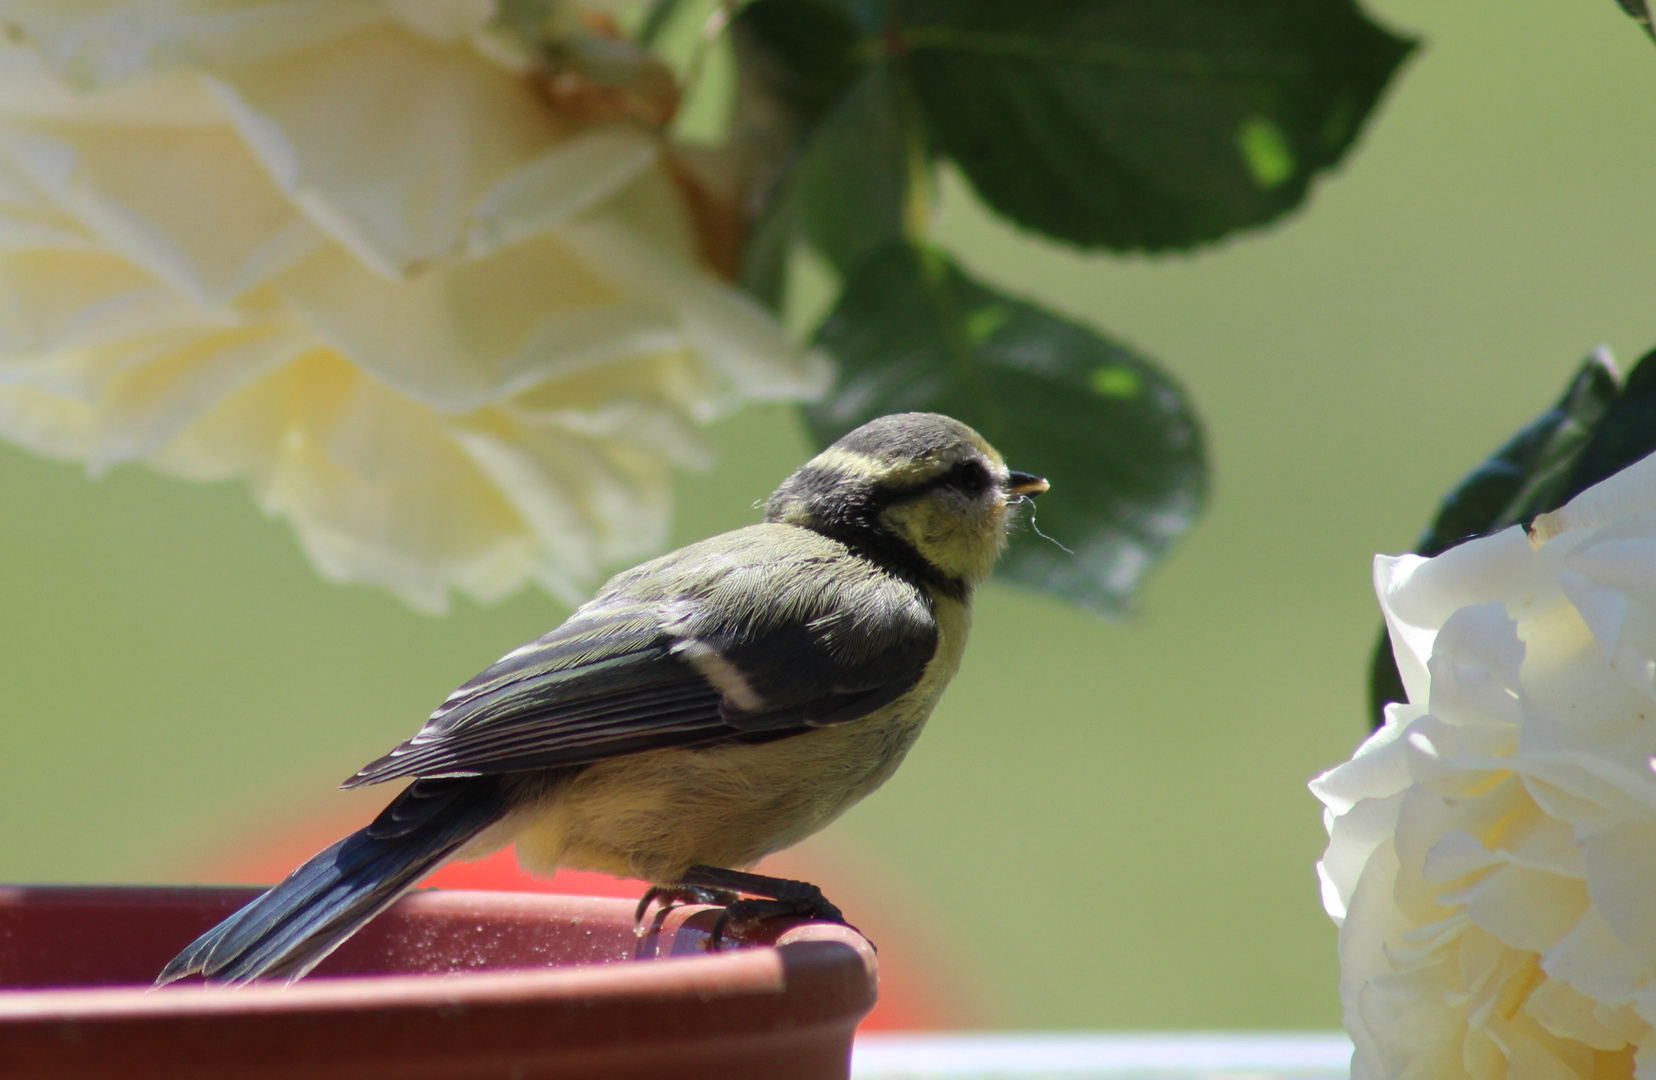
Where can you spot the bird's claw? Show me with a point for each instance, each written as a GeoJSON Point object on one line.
{"type": "Point", "coordinates": [808, 902]}
{"type": "Point", "coordinates": [767, 898]}
{"type": "Point", "coordinates": [669, 896]}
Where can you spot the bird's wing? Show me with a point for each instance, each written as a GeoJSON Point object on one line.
{"type": "Point", "coordinates": [759, 634]}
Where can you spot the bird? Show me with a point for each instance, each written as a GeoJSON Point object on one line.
{"type": "Point", "coordinates": [703, 710]}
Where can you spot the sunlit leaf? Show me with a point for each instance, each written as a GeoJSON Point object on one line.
{"type": "Point", "coordinates": [1125, 124]}
{"type": "Point", "coordinates": [1103, 123]}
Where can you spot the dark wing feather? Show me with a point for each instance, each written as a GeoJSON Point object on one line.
{"type": "Point", "coordinates": [611, 690]}
{"type": "Point", "coordinates": [290, 928]}
{"type": "Point", "coordinates": [817, 635]}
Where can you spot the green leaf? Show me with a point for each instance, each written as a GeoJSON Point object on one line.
{"type": "Point", "coordinates": [1103, 123]}
{"type": "Point", "coordinates": [1134, 125]}
{"type": "Point", "coordinates": [802, 54]}
{"type": "Point", "coordinates": [1639, 12]}
{"type": "Point", "coordinates": [1114, 435]}
{"type": "Point", "coordinates": [656, 18]}
{"type": "Point", "coordinates": [847, 183]}
{"type": "Point", "coordinates": [849, 188]}
{"type": "Point", "coordinates": [1596, 428]}
{"type": "Point", "coordinates": [1627, 433]}
{"type": "Point", "coordinates": [1529, 474]}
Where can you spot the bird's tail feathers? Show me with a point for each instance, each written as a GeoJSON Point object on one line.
{"type": "Point", "coordinates": [288, 930]}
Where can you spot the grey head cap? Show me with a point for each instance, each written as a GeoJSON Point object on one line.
{"type": "Point", "coordinates": [865, 470]}
{"type": "Point", "coordinates": [917, 438]}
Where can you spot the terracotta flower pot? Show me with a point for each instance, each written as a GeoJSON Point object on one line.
{"type": "Point", "coordinates": [443, 985]}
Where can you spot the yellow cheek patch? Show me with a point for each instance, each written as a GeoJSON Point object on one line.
{"type": "Point", "coordinates": [959, 548]}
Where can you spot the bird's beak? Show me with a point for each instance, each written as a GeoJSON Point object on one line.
{"type": "Point", "coordinates": [1022, 483]}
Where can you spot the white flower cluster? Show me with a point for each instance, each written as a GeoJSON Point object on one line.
{"type": "Point", "coordinates": [348, 251]}
{"type": "Point", "coordinates": [1492, 851]}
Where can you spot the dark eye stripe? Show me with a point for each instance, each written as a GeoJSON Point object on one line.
{"type": "Point", "coordinates": [970, 477]}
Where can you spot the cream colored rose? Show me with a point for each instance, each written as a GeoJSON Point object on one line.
{"type": "Point", "coordinates": [346, 250]}
{"type": "Point", "coordinates": [1492, 848]}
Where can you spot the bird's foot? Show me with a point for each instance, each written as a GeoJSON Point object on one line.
{"type": "Point", "coordinates": [670, 896]}
{"type": "Point", "coordinates": [769, 898]}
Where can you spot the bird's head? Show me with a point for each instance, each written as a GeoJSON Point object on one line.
{"type": "Point", "coordinates": [923, 481]}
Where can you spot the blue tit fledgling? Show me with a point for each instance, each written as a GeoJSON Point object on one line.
{"type": "Point", "coordinates": [701, 712]}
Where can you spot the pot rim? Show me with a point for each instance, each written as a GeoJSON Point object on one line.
{"type": "Point", "coordinates": [760, 965]}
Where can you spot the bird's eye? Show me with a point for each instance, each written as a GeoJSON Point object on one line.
{"type": "Point", "coordinates": [969, 477]}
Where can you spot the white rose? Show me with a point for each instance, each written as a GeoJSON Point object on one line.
{"type": "Point", "coordinates": [1492, 848]}
{"type": "Point", "coordinates": [346, 250]}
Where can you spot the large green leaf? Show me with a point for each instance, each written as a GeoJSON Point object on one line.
{"type": "Point", "coordinates": [1103, 123]}
{"type": "Point", "coordinates": [1114, 436]}
{"type": "Point", "coordinates": [843, 180]}
{"type": "Point", "coordinates": [847, 192]}
{"type": "Point", "coordinates": [1129, 124]}
{"type": "Point", "coordinates": [803, 54]}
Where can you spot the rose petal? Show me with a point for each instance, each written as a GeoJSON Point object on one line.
{"type": "Point", "coordinates": [143, 408]}
{"type": "Point", "coordinates": [1353, 838]}
{"type": "Point", "coordinates": [1629, 493]}
{"type": "Point", "coordinates": [1527, 909]}
{"type": "Point", "coordinates": [565, 181]}
{"type": "Point", "coordinates": [1594, 961]}
{"type": "Point", "coordinates": [1455, 856]}
{"type": "Point", "coordinates": [379, 493]}
{"type": "Point", "coordinates": [1621, 861]}
{"type": "Point", "coordinates": [52, 300]}
{"type": "Point", "coordinates": [736, 337]}
{"type": "Point", "coordinates": [466, 335]}
{"type": "Point", "coordinates": [190, 205]}
{"type": "Point", "coordinates": [1378, 769]}
{"type": "Point", "coordinates": [105, 43]}
{"type": "Point", "coordinates": [345, 251]}
{"type": "Point", "coordinates": [388, 141]}
{"type": "Point", "coordinates": [45, 422]}
{"type": "Point", "coordinates": [445, 21]}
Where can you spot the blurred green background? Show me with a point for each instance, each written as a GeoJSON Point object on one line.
{"type": "Point", "coordinates": [1109, 820]}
